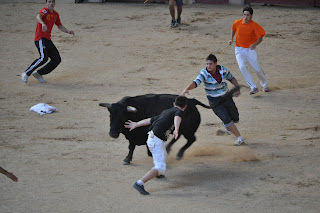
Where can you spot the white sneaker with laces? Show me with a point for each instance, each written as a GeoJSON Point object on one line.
{"type": "Point", "coordinates": [238, 142]}
{"type": "Point", "coordinates": [24, 77]}
{"type": "Point", "coordinates": [38, 76]}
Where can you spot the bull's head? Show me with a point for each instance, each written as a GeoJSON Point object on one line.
{"type": "Point", "coordinates": [119, 114]}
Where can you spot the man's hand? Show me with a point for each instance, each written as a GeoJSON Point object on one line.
{"type": "Point", "coordinates": [12, 177]}
{"type": "Point", "coordinates": [237, 93]}
{"type": "Point", "coordinates": [44, 27]}
{"type": "Point", "coordinates": [252, 46]}
{"type": "Point", "coordinates": [184, 92]}
{"type": "Point", "coordinates": [175, 134]}
{"type": "Point", "coordinates": [130, 125]}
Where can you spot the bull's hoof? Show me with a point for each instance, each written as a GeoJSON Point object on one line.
{"type": "Point", "coordinates": [168, 149]}
{"type": "Point", "coordinates": [126, 162]}
{"type": "Point", "coordinates": [161, 176]}
{"type": "Point", "coordinates": [179, 156]}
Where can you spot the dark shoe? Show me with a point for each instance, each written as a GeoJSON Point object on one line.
{"type": "Point", "coordinates": [140, 188]}
{"type": "Point", "coordinates": [173, 23]}
{"type": "Point", "coordinates": [178, 21]}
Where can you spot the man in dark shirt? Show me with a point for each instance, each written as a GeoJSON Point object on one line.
{"type": "Point", "coordinates": [161, 127]}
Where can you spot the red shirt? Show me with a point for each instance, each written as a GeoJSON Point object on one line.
{"type": "Point", "coordinates": [217, 75]}
{"type": "Point", "coordinates": [49, 19]}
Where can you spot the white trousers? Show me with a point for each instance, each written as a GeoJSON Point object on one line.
{"type": "Point", "coordinates": [159, 153]}
{"type": "Point", "coordinates": [246, 54]}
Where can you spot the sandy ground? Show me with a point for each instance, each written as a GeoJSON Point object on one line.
{"type": "Point", "coordinates": [66, 161]}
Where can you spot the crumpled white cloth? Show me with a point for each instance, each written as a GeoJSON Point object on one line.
{"type": "Point", "coordinates": [43, 108]}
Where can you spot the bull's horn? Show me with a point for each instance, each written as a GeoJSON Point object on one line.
{"type": "Point", "coordinates": [105, 105]}
{"type": "Point", "coordinates": [131, 109]}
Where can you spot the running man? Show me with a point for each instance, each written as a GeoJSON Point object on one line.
{"type": "Point", "coordinates": [248, 36]}
{"type": "Point", "coordinates": [46, 18]}
{"type": "Point", "coordinates": [214, 78]}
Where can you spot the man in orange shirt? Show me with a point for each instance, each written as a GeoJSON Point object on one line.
{"type": "Point", "coordinates": [46, 18]}
{"type": "Point", "coordinates": [248, 35]}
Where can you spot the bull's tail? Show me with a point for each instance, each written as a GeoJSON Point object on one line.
{"type": "Point", "coordinates": [196, 102]}
{"type": "Point", "coordinates": [222, 99]}
{"type": "Point", "coordinates": [227, 95]}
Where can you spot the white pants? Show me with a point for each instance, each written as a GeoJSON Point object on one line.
{"type": "Point", "coordinates": [159, 153]}
{"type": "Point", "coordinates": [246, 54]}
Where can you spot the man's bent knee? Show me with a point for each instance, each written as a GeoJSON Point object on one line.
{"type": "Point", "coordinates": [161, 171]}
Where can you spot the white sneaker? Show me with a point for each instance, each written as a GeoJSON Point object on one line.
{"type": "Point", "coordinates": [24, 77]}
{"type": "Point", "coordinates": [254, 91]}
{"type": "Point", "coordinates": [266, 89]}
{"type": "Point", "coordinates": [238, 142]}
{"type": "Point", "coordinates": [38, 76]}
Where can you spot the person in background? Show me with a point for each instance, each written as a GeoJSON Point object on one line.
{"type": "Point", "coordinates": [174, 21]}
{"type": "Point", "coordinates": [46, 18]}
{"type": "Point", "coordinates": [249, 35]}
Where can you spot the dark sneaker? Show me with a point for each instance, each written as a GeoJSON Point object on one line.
{"type": "Point", "coordinates": [254, 91]}
{"type": "Point", "coordinates": [178, 21]}
{"type": "Point", "coordinates": [173, 23]}
{"type": "Point", "coordinates": [140, 188]}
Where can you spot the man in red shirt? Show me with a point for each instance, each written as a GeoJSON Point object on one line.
{"type": "Point", "coordinates": [248, 35]}
{"type": "Point", "coordinates": [46, 18]}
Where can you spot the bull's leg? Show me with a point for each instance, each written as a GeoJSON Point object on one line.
{"type": "Point", "coordinates": [191, 139]}
{"type": "Point", "coordinates": [128, 159]}
{"type": "Point", "coordinates": [168, 147]}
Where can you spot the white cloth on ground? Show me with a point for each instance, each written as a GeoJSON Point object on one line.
{"type": "Point", "coordinates": [43, 108]}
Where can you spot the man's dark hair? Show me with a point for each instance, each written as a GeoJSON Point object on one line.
{"type": "Point", "coordinates": [181, 101]}
{"type": "Point", "coordinates": [248, 9]}
{"type": "Point", "coordinates": [212, 57]}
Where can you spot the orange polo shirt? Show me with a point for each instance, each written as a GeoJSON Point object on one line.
{"type": "Point", "coordinates": [49, 19]}
{"type": "Point", "coordinates": [247, 34]}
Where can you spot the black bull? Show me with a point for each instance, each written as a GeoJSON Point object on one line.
{"type": "Point", "coordinates": [146, 106]}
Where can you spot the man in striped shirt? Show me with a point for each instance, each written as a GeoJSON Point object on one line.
{"type": "Point", "coordinates": [214, 78]}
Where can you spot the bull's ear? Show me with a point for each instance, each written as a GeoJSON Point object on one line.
{"type": "Point", "coordinates": [131, 109]}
